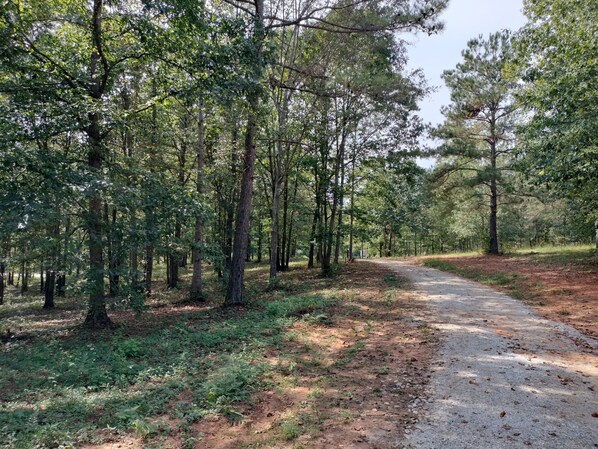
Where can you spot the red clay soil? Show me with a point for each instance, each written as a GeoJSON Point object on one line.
{"type": "Point", "coordinates": [561, 292]}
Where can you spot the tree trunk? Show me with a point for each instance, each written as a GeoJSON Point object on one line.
{"type": "Point", "coordinates": [290, 233]}
{"type": "Point", "coordinates": [315, 221]}
{"type": "Point", "coordinates": [492, 228]}
{"type": "Point", "coordinates": [351, 206]}
{"type": "Point", "coordinates": [24, 279]}
{"type": "Point", "coordinates": [41, 277]}
{"type": "Point", "coordinates": [259, 241]}
{"type": "Point", "coordinates": [274, 214]}
{"type": "Point", "coordinates": [49, 289]}
{"type": "Point", "coordinates": [113, 275]}
{"type": "Point", "coordinates": [339, 226]}
{"type": "Point", "coordinates": [195, 292]}
{"type": "Point", "coordinates": [2, 268]}
{"type": "Point", "coordinates": [234, 293]}
{"type": "Point", "coordinates": [97, 317]}
{"type": "Point", "coordinates": [285, 243]}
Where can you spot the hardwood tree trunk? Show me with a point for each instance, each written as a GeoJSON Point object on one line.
{"type": "Point", "coordinates": [234, 293]}
{"type": "Point", "coordinates": [49, 289]}
{"type": "Point", "coordinates": [24, 279]}
{"type": "Point", "coordinates": [2, 271]}
{"type": "Point", "coordinates": [97, 317]}
{"type": "Point", "coordinates": [195, 292]}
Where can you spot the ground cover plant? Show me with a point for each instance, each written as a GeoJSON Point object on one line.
{"type": "Point", "coordinates": [298, 365]}
{"type": "Point", "coordinates": [560, 282]}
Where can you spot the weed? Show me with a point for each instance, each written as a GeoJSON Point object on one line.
{"type": "Point", "coordinates": [382, 371]}
{"type": "Point", "coordinates": [390, 278]}
{"type": "Point", "coordinates": [289, 430]}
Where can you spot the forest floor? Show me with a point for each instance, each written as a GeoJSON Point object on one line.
{"type": "Point", "coordinates": [315, 363]}
{"type": "Point", "coordinates": [504, 377]}
{"type": "Point", "coordinates": [561, 283]}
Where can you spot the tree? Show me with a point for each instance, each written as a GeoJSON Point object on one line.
{"type": "Point", "coordinates": [556, 58]}
{"type": "Point", "coordinates": [478, 130]}
{"type": "Point", "coordinates": [342, 18]}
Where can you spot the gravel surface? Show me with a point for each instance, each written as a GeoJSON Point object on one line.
{"type": "Point", "coordinates": [504, 377]}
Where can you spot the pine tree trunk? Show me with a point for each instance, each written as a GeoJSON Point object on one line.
{"type": "Point", "coordinates": [492, 227]}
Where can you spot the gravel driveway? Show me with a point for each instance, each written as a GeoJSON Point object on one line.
{"type": "Point", "coordinates": [504, 377]}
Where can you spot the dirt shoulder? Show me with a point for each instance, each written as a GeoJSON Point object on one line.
{"type": "Point", "coordinates": [560, 287]}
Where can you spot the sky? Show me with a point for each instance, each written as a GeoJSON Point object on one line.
{"type": "Point", "coordinates": [463, 20]}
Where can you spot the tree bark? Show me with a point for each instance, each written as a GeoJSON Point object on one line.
{"type": "Point", "coordinates": [234, 293]}
{"type": "Point", "coordinates": [351, 208]}
{"type": "Point", "coordinates": [195, 292]}
{"type": "Point", "coordinates": [97, 317]}
{"type": "Point", "coordinates": [2, 268]}
{"type": "Point", "coordinates": [49, 289]}
{"type": "Point", "coordinates": [492, 225]}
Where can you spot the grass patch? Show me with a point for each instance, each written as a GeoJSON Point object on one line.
{"type": "Point", "coordinates": [303, 356]}
{"type": "Point", "coordinates": [510, 281]}
{"type": "Point", "coordinates": [562, 255]}
{"type": "Point", "coordinates": [59, 392]}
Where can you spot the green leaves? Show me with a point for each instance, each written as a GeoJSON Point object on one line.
{"type": "Point", "coordinates": [556, 57]}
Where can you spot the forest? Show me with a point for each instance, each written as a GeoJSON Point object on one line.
{"type": "Point", "coordinates": [156, 146]}
{"type": "Point", "coordinates": [180, 133]}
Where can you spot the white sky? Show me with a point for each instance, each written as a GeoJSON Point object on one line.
{"type": "Point", "coordinates": [463, 20]}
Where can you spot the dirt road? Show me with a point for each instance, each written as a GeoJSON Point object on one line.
{"type": "Point", "coordinates": [504, 377]}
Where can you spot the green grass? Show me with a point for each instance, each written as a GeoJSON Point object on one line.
{"type": "Point", "coordinates": [62, 391]}
{"type": "Point", "coordinates": [562, 255]}
{"type": "Point", "coordinates": [507, 280]}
